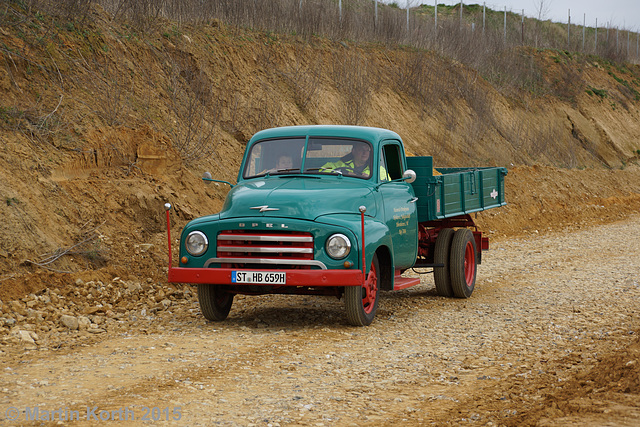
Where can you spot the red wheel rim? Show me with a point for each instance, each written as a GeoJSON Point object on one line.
{"type": "Point", "coordinates": [370, 289]}
{"type": "Point", "coordinates": [469, 264]}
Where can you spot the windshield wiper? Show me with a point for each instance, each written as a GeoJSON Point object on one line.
{"type": "Point", "coordinates": [286, 170]}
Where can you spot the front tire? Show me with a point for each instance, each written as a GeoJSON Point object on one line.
{"type": "Point", "coordinates": [463, 263]}
{"type": "Point", "coordinates": [361, 302]}
{"type": "Point", "coordinates": [215, 303]}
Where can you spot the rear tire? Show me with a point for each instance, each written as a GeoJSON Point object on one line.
{"type": "Point", "coordinates": [361, 302]}
{"type": "Point", "coordinates": [463, 263]}
{"type": "Point", "coordinates": [215, 303]}
{"type": "Point", "coordinates": [441, 275]}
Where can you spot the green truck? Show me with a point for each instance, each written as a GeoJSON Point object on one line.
{"type": "Point", "coordinates": [337, 210]}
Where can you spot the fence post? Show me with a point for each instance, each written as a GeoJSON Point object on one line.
{"type": "Point", "coordinates": [461, 6]}
{"type": "Point", "coordinates": [569, 32]}
{"type": "Point", "coordinates": [595, 47]}
{"type": "Point", "coordinates": [484, 15]}
{"type": "Point", "coordinates": [436, 16]}
{"type": "Point", "coordinates": [376, 14]}
{"type": "Point", "coordinates": [407, 18]}
{"type": "Point", "coordinates": [340, 9]}
{"type": "Point", "coordinates": [628, 41]}
{"type": "Point", "coordinates": [505, 25]}
{"type": "Point", "coordinates": [522, 29]}
{"type": "Point", "coordinates": [584, 24]}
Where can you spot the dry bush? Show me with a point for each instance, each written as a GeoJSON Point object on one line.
{"type": "Point", "coordinates": [246, 114]}
{"type": "Point", "coordinates": [139, 13]}
{"type": "Point", "coordinates": [543, 139]}
{"type": "Point", "coordinates": [432, 82]}
{"type": "Point", "coordinates": [195, 115]}
{"type": "Point", "coordinates": [355, 79]}
{"type": "Point", "coordinates": [391, 25]}
{"type": "Point", "coordinates": [88, 244]}
{"type": "Point", "coordinates": [110, 89]}
{"type": "Point", "coordinates": [76, 10]}
{"type": "Point", "coordinates": [264, 109]}
{"type": "Point", "coordinates": [39, 123]}
{"type": "Point", "coordinates": [567, 82]}
{"type": "Point", "coordinates": [309, 18]}
{"type": "Point", "coordinates": [514, 70]}
{"type": "Point", "coordinates": [303, 79]}
{"type": "Point", "coordinates": [429, 81]}
{"type": "Point", "coordinates": [232, 105]}
{"type": "Point", "coordinates": [443, 143]}
{"type": "Point", "coordinates": [415, 77]}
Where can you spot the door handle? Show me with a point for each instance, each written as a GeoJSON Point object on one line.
{"type": "Point", "coordinates": [413, 200]}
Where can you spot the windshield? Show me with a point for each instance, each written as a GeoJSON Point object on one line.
{"type": "Point", "coordinates": [274, 156]}
{"type": "Point", "coordinates": [334, 156]}
{"type": "Point", "coordinates": [338, 156]}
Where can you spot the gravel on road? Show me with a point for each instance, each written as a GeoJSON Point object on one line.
{"type": "Point", "coordinates": [546, 310]}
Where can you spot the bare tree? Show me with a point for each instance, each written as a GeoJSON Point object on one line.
{"type": "Point", "coordinates": [542, 10]}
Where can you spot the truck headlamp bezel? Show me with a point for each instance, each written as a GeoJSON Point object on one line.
{"type": "Point", "coordinates": [196, 243]}
{"type": "Point", "coordinates": [338, 246]}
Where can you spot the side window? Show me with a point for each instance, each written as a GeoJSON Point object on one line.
{"type": "Point", "coordinates": [384, 175]}
{"type": "Point", "coordinates": [390, 163]}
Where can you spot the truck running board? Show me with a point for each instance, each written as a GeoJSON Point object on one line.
{"type": "Point", "coordinates": [427, 265]}
{"type": "Point", "coordinates": [400, 282]}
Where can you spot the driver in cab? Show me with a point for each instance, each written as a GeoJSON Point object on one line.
{"type": "Point", "coordinates": [355, 163]}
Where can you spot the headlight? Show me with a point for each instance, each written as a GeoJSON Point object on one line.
{"type": "Point", "coordinates": [196, 243]}
{"type": "Point", "coordinates": [338, 246]}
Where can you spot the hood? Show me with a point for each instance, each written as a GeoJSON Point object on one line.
{"type": "Point", "coordinates": [298, 197]}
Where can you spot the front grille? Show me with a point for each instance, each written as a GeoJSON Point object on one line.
{"type": "Point", "coordinates": [260, 249]}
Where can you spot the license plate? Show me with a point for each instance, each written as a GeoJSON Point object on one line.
{"type": "Point", "coordinates": [259, 277]}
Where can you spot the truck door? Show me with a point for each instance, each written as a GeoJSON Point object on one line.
{"type": "Point", "coordinates": [399, 200]}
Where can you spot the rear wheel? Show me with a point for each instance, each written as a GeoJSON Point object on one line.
{"type": "Point", "coordinates": [463, 263]}
{"type": "Point", "coordinates": [441, 275]}
{"type": "Point", "coordinates": [215, 303]}
{"type": "Point", "coordinates": [362, 301]}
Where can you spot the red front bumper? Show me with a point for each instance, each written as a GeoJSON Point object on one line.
{"type": "Point", "coordinates": [309, 278]}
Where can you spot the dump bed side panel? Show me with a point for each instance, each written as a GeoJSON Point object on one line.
{"type": "Point", "coordinates": [424, 186]}
{"type": "Point", "coordinates": [455, 191]}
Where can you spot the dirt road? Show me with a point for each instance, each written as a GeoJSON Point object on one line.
{"type": "Point", "coordinates": [552, 316]}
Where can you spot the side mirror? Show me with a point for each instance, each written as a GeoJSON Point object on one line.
{"type": "Point", "coordinates": [206, 177]}
{"type": "Point", "coordinates": [409, 176]}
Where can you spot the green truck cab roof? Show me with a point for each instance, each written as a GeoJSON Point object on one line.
{"type": "Point", "coordinates": [371, 134]}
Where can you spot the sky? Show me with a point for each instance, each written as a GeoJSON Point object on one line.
{"type": "Point", "coordinates": [623, 14]}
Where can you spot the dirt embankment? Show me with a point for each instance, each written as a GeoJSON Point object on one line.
{"type": "Point", "coordinates": [542, 198]}
{"type": "Point", "coordinates": [95, 120]}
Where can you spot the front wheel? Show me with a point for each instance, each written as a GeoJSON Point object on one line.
{"type": "Point", "coordinates": [362, 301]}
{"type": "Point", "coordinates": [463, 263]}
{"type": "Point", "coordinates": [215, 303]}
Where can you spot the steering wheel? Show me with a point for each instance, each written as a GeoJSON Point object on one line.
{"type": "Point", "coordinates": [343, 170]}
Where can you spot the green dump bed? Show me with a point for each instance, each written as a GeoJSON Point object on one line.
{"type": "Point", "coordinates": [457, 191]}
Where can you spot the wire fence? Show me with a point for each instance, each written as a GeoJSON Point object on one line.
{"type": "Point", "coordinates": [463, 31]}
